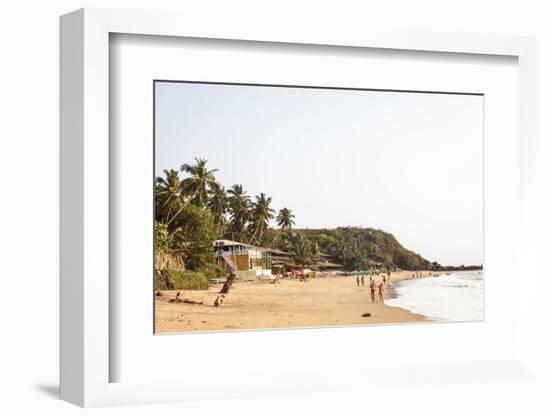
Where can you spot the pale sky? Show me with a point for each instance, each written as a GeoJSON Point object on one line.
{"type": "Point", "coordinates": [408, 163]}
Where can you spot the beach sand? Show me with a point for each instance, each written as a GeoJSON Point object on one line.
{"type": "Point", "coordinates": [330, 301]}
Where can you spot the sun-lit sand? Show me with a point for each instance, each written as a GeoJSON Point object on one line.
{"type": "Point", "coordinates": [287, 304]}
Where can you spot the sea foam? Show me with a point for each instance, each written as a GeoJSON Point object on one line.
{"type": "Point", "coordinates": [454, 297]}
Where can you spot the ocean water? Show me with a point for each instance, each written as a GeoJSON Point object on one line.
{"type": "Point", "coordinates": [454, 297]}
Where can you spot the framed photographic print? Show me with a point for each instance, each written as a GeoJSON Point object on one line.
{"type": "Point", "coordinates": [278, 202]}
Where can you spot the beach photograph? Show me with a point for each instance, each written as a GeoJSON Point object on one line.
{"type": "Point", "coordinates": [281, 207]}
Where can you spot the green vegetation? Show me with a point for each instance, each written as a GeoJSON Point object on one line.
{"type": "Point", "coordinates": [181, 280]}
{"type": "Point", "coordinates": [194, 210]}
{"type": "Point", "coordinates": [260, 216]}
{"type": "Point", "coordinates": [239, 212]}
{"type": "Point", "coordinates": [353, 247]}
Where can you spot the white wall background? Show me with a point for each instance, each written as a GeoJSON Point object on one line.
{"type": "Point", "coordinates": [29, 204]}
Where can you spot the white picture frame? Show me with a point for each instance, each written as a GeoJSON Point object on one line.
{"type": "Point", "coordinates": [85, 177]}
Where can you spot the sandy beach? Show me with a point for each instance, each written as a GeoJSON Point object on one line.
{"type": "Point", "coordinates": [288, 304]}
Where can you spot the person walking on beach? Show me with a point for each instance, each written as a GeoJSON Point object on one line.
{"type": "Point", "coordinates": [357, 280]}
{"type": "Point", "coordinates": [372, 290]}
{"type": "Point", "coordinates": [381, 292]}
{"type": "Point", "coordinates": [363, 280]}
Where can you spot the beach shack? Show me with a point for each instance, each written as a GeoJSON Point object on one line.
{"type": "Point", "coordinates": [281, 261]}
{"type": "Point", "coordinates": [327, 263]}
{"type": "Point", "coordinates": [328, 266]}
{"type": "Point", "coordinates": [247, 261]}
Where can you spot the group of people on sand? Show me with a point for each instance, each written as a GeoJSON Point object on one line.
{"type": "Point", "coordinates": [218, 302]}
{"type": "Point", "coordinates": [380, 286]}
{"type": "Point", "coordinates": [374, 287]}
{"type": "Point", "coordinates": [180, 299]}
{"type": "Point", "coordinates": [360, 279]}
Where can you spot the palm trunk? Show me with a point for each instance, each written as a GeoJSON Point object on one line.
{"type": "Point", "coordinates": [228, 283]}
{"type": "Point", "coordinates": [253, 236]}
{"type": "Point", "coordinates": [277, 236]}
{"type": "Point", "coordinates": [182, 207]}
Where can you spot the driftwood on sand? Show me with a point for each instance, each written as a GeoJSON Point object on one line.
{"type": "Point", "coordinates": [228, 283]}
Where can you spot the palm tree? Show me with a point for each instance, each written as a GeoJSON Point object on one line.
{"type": "Point", "coordinates": [239, 208]}
{"type": "Point", "coordinates": [285, 220]}
{"type": "Point", "coordinates": [262, 213]}
{"type": "Point", "coordinates": [199, 183]}
{"type": "Point", "coordinates": [218, 205]}
{"type": "Point", "coordinates": [315, 251]}
{"type": "Point", "coordinates": [168, 191]}
{"type": "Point", "coordinates": [196, 186]}
{"type": "Point", "coordinates": [300, 248]}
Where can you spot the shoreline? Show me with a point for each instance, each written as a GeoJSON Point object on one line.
{"type": "Point", "coordinates": [450, 297]}
{"type": "Point", "coordinates": [320, 302]}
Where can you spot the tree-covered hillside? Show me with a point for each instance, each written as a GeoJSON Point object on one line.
{"type": "Point", "coordinates": [354, 247]}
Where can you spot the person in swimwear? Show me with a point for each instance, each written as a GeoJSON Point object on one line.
{"type": "Point", "coordinates": [372, 290]}
{"type": "Point", "coordinates": [381, 292]}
